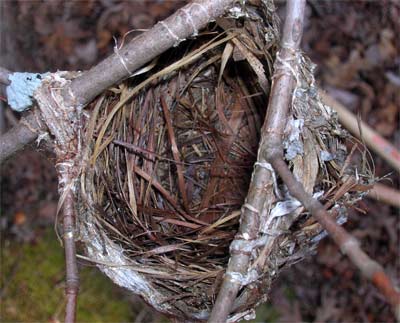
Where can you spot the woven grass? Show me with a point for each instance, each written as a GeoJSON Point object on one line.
{"type": "Point", "coordinates": [169, 157]}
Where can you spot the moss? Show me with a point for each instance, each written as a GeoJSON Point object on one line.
{"type": "Point", "coordinates": [265, 313]}
{"type": "Point", "coordinates": [32, 280]}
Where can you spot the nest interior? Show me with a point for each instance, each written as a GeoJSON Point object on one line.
{"type": "Point", "coordinates": [169, 157]}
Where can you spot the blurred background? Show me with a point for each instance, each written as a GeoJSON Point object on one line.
{"type": "Point", "coordinates": [355, 45]}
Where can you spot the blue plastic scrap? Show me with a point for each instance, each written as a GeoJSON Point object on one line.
{"type": "Point", "coordinates": [21, 89]}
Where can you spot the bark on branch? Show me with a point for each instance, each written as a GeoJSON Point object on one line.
{"type": "Point", "coordinates": [184, 23]}
{"type": "Point", "coordinates": [270, 136]}
{"type": "Point", "coordinates": [125, 61]}
{"type": "Point", "coordinates": [60, 103]}
{"type": "Point", "coordinates": [18, 137]}
{"type": "Point", "coordinates": [278, 109]}
{"type": "Point", "coordinates": [271, 151]}
{"type": "Point", "coordinates": [71, 268]}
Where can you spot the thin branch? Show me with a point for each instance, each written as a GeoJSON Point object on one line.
{"type": "Point", "coordinates": [125, 61]}
{"type": "Point", "coordinates": [72, 278]}
{"type": "Point", "coordinates": [186, 22]}
{"type": "Point", "coordinates": [385, 194]}
{"type": "Point", "coordinates": [271, 134]}
{"type": "Point", "coordinates": [281, 94]}
{"type": "Point", "coordinates": [19, 136]}
{"type": "Point", "coordinates": [347, 243]}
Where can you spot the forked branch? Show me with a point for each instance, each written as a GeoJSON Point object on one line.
{"type": "Point", "coordinates": [73, 96]}
{"type": "Point", "coordinates": [281, 95]}
{"type": "Point", "coordinates": [271, 151]}
{"type": "Point", "coordinates": [261, 179]}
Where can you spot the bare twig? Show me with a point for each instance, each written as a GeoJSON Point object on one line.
{"type": "Point", "coordinates": [281, 94]}
{"type": "Point", "coordinates": [347, 243]}
{"type": "Point", "coordinates": [60, 103]}
{"type": "Point", "coordinates": [372, 139]}
{"type": "Point", "coordinates": [271, 134]}
{"type": "Point", "coordinates": [72, 278]}
{"type": "Point", "coordinates": [18, 137]}
{"type": "Point", "coordinates": [385, 194]}
{"type": "Point", "coordinates": [184, 23]}
{"type": "Point", "coordinates": [141, 50]}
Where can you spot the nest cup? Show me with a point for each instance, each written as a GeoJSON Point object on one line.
{"type": "Point", "coordinates": [169, 157]}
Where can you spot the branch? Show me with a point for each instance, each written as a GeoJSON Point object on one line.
{"type": "Point", "coordinates": [18, 137]}
{"type": "Point", "coordinates": [271, 134]}
{"type": "Point", "coordinates": [139, 51]}
{"type": "Point", "coordinates": [72, 278]}
{"type": "Point", "coordinates": [385, 194]}
{"type": "Point", "coordinates": [183, 24]}
{"type": "Point", "coordinates": [347, 243]}
{"type": "Point", "coordinates": [281, 94]}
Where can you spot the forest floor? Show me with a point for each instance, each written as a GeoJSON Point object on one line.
{"type": "Point", "coordinates": [355, 45]}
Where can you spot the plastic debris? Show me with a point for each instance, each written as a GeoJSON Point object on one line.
{"type": "Point", "coordinates": [293, 145]}
{"type": "Point", "coordinates": [326, 156]}
{"type": "Point", "coordinates": [20, 91]}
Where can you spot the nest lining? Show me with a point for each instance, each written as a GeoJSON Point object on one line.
{"type": "Point", "coordinates": [169, 158]}
{"type": "Point", "coordinates": [180, 168]}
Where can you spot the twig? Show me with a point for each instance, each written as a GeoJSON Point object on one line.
{"type": "Point", "coordinates": [19, 136]}
{"type": "Point", "coordinates": [64, 123]}
{"type": "Point", "coordinates": [271, 134]}
{"type": "Point", "coordinates": [282, 91]}
{"type": "Point", "coordinates": [139, 51]}
{"type": "Point", "coordinates": [347, 243]}
{"type": "Point", "coordinates": [184, 23]}
{"type": "Point", "coordinates": [385, 194]}
{"type": "Point", "coordinates": [72, 278]}
{"type": "Point", "coordinates": [372, 139]}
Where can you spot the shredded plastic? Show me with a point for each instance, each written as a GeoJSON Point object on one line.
{"type": "Point", "coordinates": [293, 145]}
{"type": "Point", "coordinates": [21, 89]}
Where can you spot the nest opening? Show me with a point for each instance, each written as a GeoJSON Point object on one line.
{"type": "Point", "coordinates": [169, 157]}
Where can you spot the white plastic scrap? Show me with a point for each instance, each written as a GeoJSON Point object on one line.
{"type": "Point", "coordinates": [20, 91]}
{"type": "Point", "coordinates": [117, 267]}
{"type": "Point", "coordinates": [285, 208]}
{"type": "Point", "coordinates": [244, 280]}
{"type": "Point", "coordinates": [251, 277]}
{"type": "Point", "coordinates": [250, 316]}
{"type": "Point", "coordinates": [240, 245]}
{"type": "Point", "coordinates": [293, 145]}
{"type": "Point", "coordinates": [247, 315]}
{"type": "Point", "coordinates": [326, 155]}
{"type": "Point", "coordinates": [237, 11]}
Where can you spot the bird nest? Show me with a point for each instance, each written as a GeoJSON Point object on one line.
{"type": "Point", "coordinates": [168, 158]}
